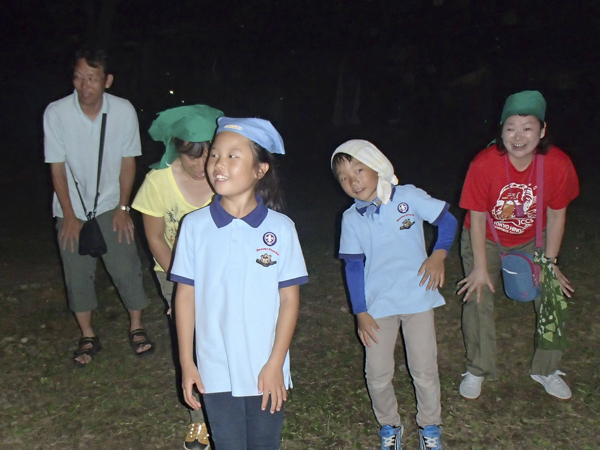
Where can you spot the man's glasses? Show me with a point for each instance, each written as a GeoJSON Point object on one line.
{"type": "Point", "coordinates": [90, 80]}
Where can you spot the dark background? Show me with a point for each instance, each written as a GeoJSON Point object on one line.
{"type": "Point", "coordinates": [424, 80]}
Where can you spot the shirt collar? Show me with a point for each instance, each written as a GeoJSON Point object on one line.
{"type": "Point", "coordinates": [105, 105]}
{"type": "Point", "coordinates": [362, 206]}
{"type": "Point", "coordinates": [222, 218]}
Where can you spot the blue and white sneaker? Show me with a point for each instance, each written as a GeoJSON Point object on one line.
{"type": "Point", "coordinates": [391, 437]}
{"type": "Point", "coordinates": [430, 437]}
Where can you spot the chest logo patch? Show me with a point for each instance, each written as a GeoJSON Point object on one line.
{"type": "Point", "coordinates": [269, 238]}
{"type": "Point", "coordinates": [402, 208]}
{"type": "Point", "coordinates": [406, 224]}
{"type": "Point", "coordinates": [265, 260]}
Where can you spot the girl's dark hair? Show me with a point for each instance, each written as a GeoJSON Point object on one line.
{"type": "Point", "coordinates": [268, 186]}
{"type": "Point", "coordinates": [340, 158]}
{"type": "Point", "coordinates": [542, 147]}
{"type": "Point", "coordinates": [191, 149]}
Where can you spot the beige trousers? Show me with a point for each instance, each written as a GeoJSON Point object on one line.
{"type": "Point", "coordinates": [418, 332]}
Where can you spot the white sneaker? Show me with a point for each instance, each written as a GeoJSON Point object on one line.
{"type": "Point", "coordinates": [470, 387]}
{"type": "Point", "coordinates": [554, 385]}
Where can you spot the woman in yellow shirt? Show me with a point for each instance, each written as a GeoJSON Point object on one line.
{"type": "Point", "coordinates": [175, 187]}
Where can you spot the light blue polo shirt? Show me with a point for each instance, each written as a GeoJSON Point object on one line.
{"type": "Point", "coordinates": [393, 245]}
{"type": "Point", "coordinates": [71, 137]}
{"type": "Point", "coordinates": [237, 267]}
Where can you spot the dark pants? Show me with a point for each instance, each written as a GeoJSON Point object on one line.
{"type": "Point", "coordinates": [238, 423]}
{"type": "Point", "coordinates": [121, 261]}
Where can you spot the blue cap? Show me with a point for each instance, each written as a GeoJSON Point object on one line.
{"type": "Point", "coordinates": [258, 130]}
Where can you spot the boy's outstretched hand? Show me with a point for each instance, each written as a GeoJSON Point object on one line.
{"type": "Point", "coordinates": [366, 328]}
{"type": "Point", "coordinates": [433, 269]}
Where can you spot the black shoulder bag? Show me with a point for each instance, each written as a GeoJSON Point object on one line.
{"type": "Point", "coordinates": [91, 241]}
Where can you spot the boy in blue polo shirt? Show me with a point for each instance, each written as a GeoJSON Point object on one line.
{"type": "Point", "coordinates": [392, 283]}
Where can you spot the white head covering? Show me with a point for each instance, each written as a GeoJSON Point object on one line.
{"type": "Point", "coordinates": [372, 157]}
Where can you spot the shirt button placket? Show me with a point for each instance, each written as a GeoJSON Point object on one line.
{"type": "Point", "coordinates": [235, 246]}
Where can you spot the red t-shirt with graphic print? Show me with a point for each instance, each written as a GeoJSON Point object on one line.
{"type": "Point", "coordinates": [494, 185]}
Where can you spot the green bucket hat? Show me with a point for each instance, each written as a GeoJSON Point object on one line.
{"type": "Point", "coordinates": [530, 103]}
{"type": "Point", "coordinates": [193, 123]}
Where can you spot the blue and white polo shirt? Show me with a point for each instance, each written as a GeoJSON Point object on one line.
{"type": "Point", "coordinates": [393, 246]}
{"type": "Point", "coordinates": [237, 267]}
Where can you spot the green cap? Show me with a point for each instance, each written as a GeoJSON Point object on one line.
{"type": "Point", "coordinates": [529, 103]}
{"type": "Point", "coordinates": [193, 123]}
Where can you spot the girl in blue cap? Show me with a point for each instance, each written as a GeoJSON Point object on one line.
{"type": "Point", "coordinates": [177, 186]}
{"type": "Point", "coordinates": [238, 265]}
{"type": "Point", "coordinates": [502, 183]}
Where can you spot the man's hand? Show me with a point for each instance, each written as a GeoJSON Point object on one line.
{"type": "Point", "coordinates": [122, 222]}
{"type": "Point", "coordinates": [69, 233]}
{"type": "Point", "coordinates": [366, 328]}
{"type": "Point", "coordinates": [71, 226]}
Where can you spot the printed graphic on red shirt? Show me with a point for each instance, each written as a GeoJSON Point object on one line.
{"type": "Point", "coordinates": [515, 208]}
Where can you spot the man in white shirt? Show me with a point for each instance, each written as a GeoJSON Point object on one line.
{"type": "Point", "coordinates": [72, 128]}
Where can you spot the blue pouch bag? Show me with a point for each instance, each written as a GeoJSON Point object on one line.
{"type": "Point", "coordinates": [520, 276]}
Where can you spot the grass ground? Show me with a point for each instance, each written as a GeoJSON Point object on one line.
{"type": "Point", "coordinates": [124, 402]}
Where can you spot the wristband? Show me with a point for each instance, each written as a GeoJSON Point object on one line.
{"type": "Point", "coordinates": [553, 261]}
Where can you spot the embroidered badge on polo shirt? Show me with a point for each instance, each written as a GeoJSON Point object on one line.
{"type": "Point", "coordinates": [266, 260]}
{"type": "Point", "coordinates": [269, 238]}
{"type": "Point", "coordinates": [406, 224]}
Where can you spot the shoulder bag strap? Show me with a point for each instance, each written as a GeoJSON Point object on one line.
{"type": "Point", "coordinates": [78, 191]}
{"type": "Point", "coordinates": [92, 214]}
{"type": "Point", "coordinates": [490, 223]}
{"type": "Point", "coordinates": [100, 153]}
{"type": "Point", "coordinates": [540, 201]}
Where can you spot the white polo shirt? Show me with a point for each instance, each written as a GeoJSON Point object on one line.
{"type": "Point", "coordinates": [237, 267]}
{"type": "Point", "coordinates": [71, 137]}
{"type": "Point", "coordinates": [393, 245]}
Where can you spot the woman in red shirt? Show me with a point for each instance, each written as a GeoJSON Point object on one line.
{"type": "Point", "coordinates": [502, 181]}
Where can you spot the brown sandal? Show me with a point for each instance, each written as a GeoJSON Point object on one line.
{"type": "Point", "coordinates": [135, 345]}
{"type": "Point", "coordinates": [96, 346]}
